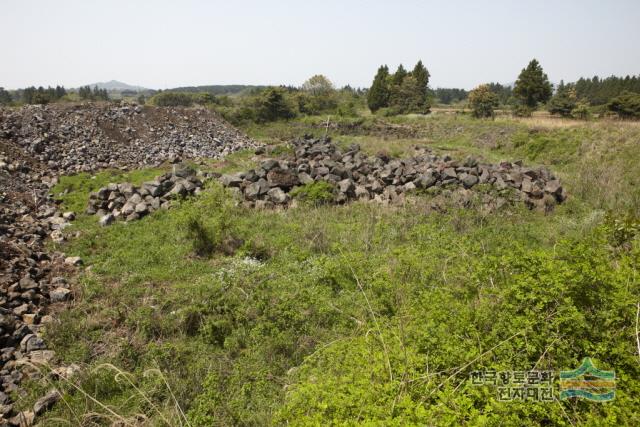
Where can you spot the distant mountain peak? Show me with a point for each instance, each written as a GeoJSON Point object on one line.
{"type": "Point", "coordinates": [116, 85]}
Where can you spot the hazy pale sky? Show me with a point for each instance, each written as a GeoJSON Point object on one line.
{"type": "Point", "coordinates": [161, 44]}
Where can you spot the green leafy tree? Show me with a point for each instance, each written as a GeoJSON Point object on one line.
{"type": "Point", "coordinates": [564, 101]}
{"type": "Point", "coordinates": [318, 96]}
{"type": "Point", "coordinates": [318, 85]}
{"type": "Point", "coordinates": [378, 96]}
{"type": "Point", "coordinates": [483, 101]}
{"type": "Point", "coordinates": [532, 86]}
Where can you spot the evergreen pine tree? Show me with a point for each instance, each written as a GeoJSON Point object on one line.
{"type": "Point", "coordinates": [626, 105]}
{"type": "Point", "coordinates": [378, 96]}
{"type": "Point", "coordinates": [60, 92]}
{"type": "Point", "coordinates": [564, 101]}
{"type": "Point", "coordinates": [398, 76]}
{"type": "Point", "coordinates": [532, 85]}
{"type": "Point", "coordinates": [409, 98]}
{"type": "Point", "coordinates": [421, 75]}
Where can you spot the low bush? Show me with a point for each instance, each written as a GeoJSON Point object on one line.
{"type": "Point", "coordinates": [627, 105]}
{"type": "Point", "coordinates": [521, 110]}
{"type": "Point", "coordinates": [316, 193]}
{"type": "Point", "coordinates": [172, 99]}
{"type": "Point", "coordinates": [483, 102]}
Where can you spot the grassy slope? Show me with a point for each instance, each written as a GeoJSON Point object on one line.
{"type": "Point", "coordinates": [362, 312]}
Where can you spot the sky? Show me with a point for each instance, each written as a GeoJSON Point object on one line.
{"type": "Point", "coordinates": [162, 44]}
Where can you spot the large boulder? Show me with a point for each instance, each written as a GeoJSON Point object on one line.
{"type": "Point", "coordinates": [277, 196]}
{"type": "Point", "coordinates": [282, 178]}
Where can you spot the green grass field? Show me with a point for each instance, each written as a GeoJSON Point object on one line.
{"type": "Point", "coordinates": [360, 314]}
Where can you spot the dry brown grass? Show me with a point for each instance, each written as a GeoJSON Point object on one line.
{"type": "Point", "coordinates": [551, 122]}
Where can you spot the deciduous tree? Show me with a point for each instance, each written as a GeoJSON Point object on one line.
{"type": "Point", "coordinates": [318, 85]}
{"type": "Point", "coordinates": [483, 101]}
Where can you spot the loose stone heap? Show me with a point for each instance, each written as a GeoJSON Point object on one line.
{"type": "Point", "coordinates": [128, 202]}
{"type": "Point", "coordinates": [358, 176]}
{"type": "Point", "coordinates": [30, 280]}
{"type": "Point", "coordinates": [38, 143]}
{"type": "Point", "coordinates": [85, 137]}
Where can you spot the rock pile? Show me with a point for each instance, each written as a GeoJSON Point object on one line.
{"type": "Point", "coordinates": [67, 139]}
{"type": "Point", "coordinates": [355, 175]}
{"type": "Point", "coordinates": [128, 202]}
{"type": "Point", "coordinates": [38, 143]}
{"type": "Point", "coordinates": [30, 280]}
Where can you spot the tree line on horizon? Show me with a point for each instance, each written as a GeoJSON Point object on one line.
{"type": "Point", "coordinates": [401, 92]}
{"type": "Point", "coordinates": [41, 95]}
{"type": "Point", "coordinates": [532, 89]}
{"type": "Point", "coordinates": [597, 91]}
{"type": "Point", "coordinates": [97, 94]}
{"type": "Point", "coordinates": [316, 96]}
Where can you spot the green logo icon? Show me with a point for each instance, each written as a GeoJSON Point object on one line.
{"type": "Point", "coordinates": [588, 382]}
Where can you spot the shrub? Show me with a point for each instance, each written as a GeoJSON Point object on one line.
{"type": "Point", "coordinates": [172, 99]}
{"type": "Point", "coordinates": [272, 105]}
{"type": "Point", "coordinates": [317, 193]}
{"type": "Point", "coordinates": [621, 230]}
{"type": "Point", "coordinates": [347, 109]}
{"type": "Point", "coordinates": [212, 233]}
{"type": "Point", "coordinates": [238, 115]}
{"type": "Point", "coordinates": [581, 111]}
{"type": "Point", "coordinates": [483, 101]}
{"type": "Point", "coordinates": [521, 110]}
{"type": "Point", "coordinates": [627, 105]}
{"type": "Point", "coordinates": [317, 104]}
{"type": "Point", "coordinates": [202, 242]}
{"type": "Point", "coordinates": [564, 101]}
